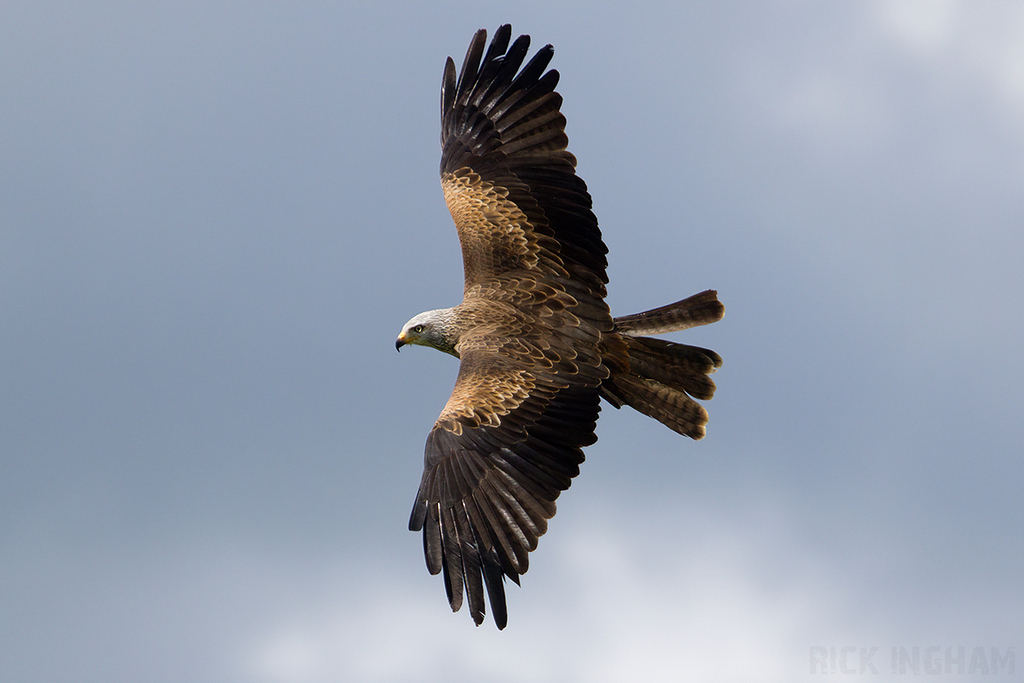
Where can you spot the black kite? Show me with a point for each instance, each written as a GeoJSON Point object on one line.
{"type": "Point", "coordinates": [538, 345]}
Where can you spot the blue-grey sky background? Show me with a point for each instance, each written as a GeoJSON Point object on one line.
{"type": "Point", "coordinates": [215, 218]}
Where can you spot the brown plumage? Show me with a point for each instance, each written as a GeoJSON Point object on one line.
{"type": "Point", "coordinates": [537, 344]}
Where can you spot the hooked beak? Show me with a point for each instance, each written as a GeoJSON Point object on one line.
{"type": "Point", "coordinates": [400, 342]}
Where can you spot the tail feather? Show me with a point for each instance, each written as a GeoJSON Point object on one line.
{"type": "Point", "coordinates": [671, 407]}
{"type": "Point", "coordinates": [682, 367]}
{"type": "Point", "coordinates": [664, 378]}
{"type": "Point", "coordinates": [699, 309]}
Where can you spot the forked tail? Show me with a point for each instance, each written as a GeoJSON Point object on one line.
{"type": "Point", "coordinates": [664, 378]}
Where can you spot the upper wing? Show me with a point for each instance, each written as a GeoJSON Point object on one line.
{"type": "Point", "coordinates": [508, 180]}
{"type": "Point", "coordinates": [527, 396]}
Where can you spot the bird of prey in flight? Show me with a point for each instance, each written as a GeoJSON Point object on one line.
{"type": "Point", "coordinates": [537, 343]}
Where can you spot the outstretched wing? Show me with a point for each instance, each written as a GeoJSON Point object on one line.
{"type": "Point", "coordinates": [508, 442]}
{"type": "Point", "coordinates": [508, 180]}
{"type": "Point", "coordinates": [533, 316]}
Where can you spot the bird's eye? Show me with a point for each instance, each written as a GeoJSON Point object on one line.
{"type": "Point", "coordinates": [418, 329]}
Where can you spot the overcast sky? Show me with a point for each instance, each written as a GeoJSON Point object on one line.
{"type": "Point", "coordinates": [216, 217]}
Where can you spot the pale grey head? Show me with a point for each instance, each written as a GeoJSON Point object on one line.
{"type": "Point", "coordinates": [431, 328]}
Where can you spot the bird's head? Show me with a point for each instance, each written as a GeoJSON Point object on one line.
{"type": "Point", "coordinates": [431, 328]}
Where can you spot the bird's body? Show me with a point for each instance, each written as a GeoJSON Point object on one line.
{"type": "Point", "coordinates": [537, 343]}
